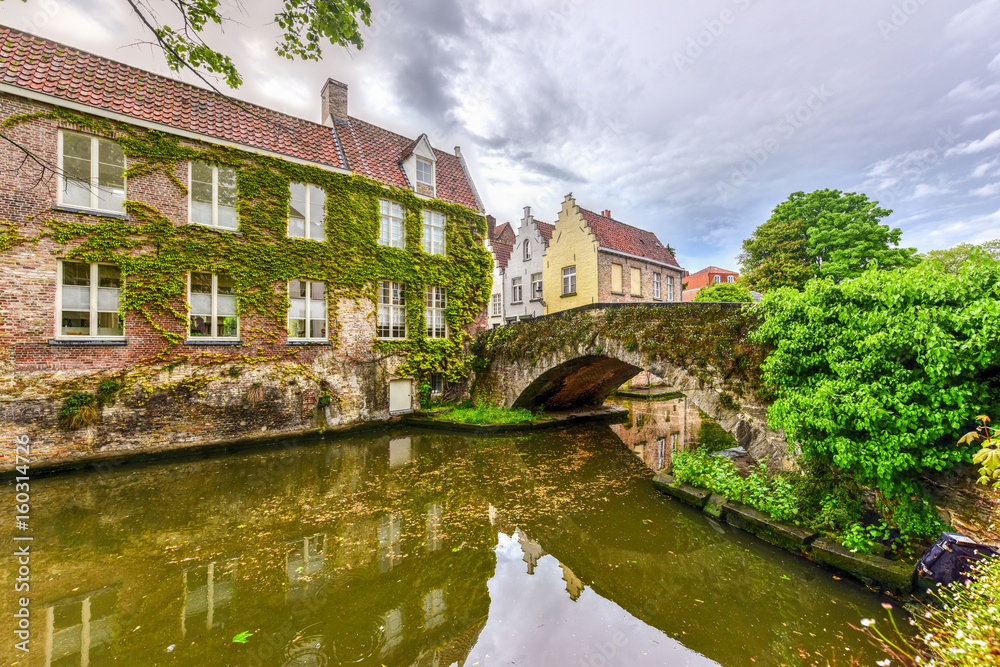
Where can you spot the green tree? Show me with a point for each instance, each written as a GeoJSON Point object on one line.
{"type": "Point", "coordinates": [826, 233]}
{"type": "Point", "coordinates": [177, 25]}
{"type": "Point", "coordinates": [954, 259]}
{"type": "Point", "coordinates": [725, 292]}
{"type": "Point", "coordinates": [878, 376]}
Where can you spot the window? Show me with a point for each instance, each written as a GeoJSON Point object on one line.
{"type": "Point", "coordinates": [569, 280]}
{"type": "Point", "coordinates": [635, 281]}
{"type": "Point", "coordinates": [673, 443]}
{"type": "Point", "coordinates": [307, 312]}
{"type": "Point", "coordinates": [392, 232]}
{"type": "Point", "coordinates": [435, 306]}
{"type": "Point", "coordinates": [730, 279]}
{"type": "Point", "coordinates": [616, 279]}
{"type": "Point", "coordinates": [425, 171]}
{"type": "Point", "coordinates": [536, 286]}
{"type": "Point", "coordinates": [716, 279]}
{"type": "Point", "coordinates": [93, 173]}
{"type": "Point", "coordinates": [213, 306]}
{"type": "Point", "coordinates": [433, 233]}
{"type": "Point", "coordinates": [391, 310]}
{"type": "Point", "coordinates": [437, 383]}
{"type": "Point", "coordinates": [670, 288]}
{"type": "Point", "coordinates": [661, 452]}
{"type": "Point", "coordinates": [497, 305]}
{"type": "Point", "coordinates": [307, 212]}
{"type": "Point", "coordinates": [516, 291]}
{"type": "Point", "coordinates": [527, 249]}
{"type": "Point", "coordinates": [89, 300]}
{"type": "Point", "coordinates": [213, 195]}
{"type": "Point", "coordinates": [656, 285]}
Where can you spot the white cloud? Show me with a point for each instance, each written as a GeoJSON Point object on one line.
{"type": "Point", "coordinates": [992, 140]}
{"type": "Point", "coordinates": [990, 190]}
{"type": "Point", "coordinates": [979, 117]}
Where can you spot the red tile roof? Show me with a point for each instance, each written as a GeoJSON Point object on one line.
{"type": "Point", "coordinates": [502, 251]}
{"type": "Point", "coordinates": [713, 269]}
{"type": "Point", "coordinates": [73, 75]}
{"type": "Point", "coordinates": [545, 229]}
{"type": "Point", "coordinates": [615, 235]}
{"type": "Point", "coordinates": [502, 229]}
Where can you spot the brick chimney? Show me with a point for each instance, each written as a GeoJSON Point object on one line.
{"type": "Point", "coordinates": [334, 99]}
{"type": "Point", "coordinates": [606, 213]}
{"type": "Point", "coordinates": [491, 225]}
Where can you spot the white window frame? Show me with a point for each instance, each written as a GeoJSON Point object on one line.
{"type": "Point", "coordinates": [516, 290]}
{"type": "Point", "coordinates": [438, 307]}
{"type": "Point", "coordinates": [536, 287]}
{"type": "Point", "coordinates": [670, 288]}
{"type": "Point", "coordinates": [215, 311]}
{"type": "Point", "coordinates": [433, 220]}
{"type": "Point", "coordinates": [716, 279]}
{"type": "Point", "coordinates": [94, 184]}
{"type": "Point", "coordinates": [730, 279]}
{"type": "Point", "coordinates": [569, 279]}
{"type": "Point", "coordinates": [430, 168]}
{"type": "Point", "coordinates": [527, 249]}
{"type": "Point", "coordinates": [309, 301]}
{"type": "Point", "coordinates": [308, 210]}
{"type": "Point", "coordinates": [93, 313]}
{"type": "Point", "coordinates": [656, 285]}
{"type": "Point", "coordinates": [497, 300]}
{"type": "Point", "coordinates": [393, 307]}
{"type": "Point", "coordinates": [215, 196]}
{"type": "Point", "coordinates": [393, 220]}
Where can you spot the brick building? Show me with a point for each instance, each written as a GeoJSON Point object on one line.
{"type": "Point", "coordinates": [593, 258]}
{"type": "Point", "coordinates": [710, 275]}
{"type": "Point", "coordinates": [231, 270]}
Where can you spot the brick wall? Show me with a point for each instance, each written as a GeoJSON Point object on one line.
{"type": "Point", "coordinates": [605, 261]}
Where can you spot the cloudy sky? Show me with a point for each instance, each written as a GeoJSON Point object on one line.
{"type": "Point", "coordinates": [691, 118]}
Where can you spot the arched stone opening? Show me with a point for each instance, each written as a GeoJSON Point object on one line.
{"type": "Point", "coordinates": [581, 382]}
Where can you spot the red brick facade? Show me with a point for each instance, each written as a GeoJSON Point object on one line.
{"type": "Point", "coordinates": [710, 275]}
{"type": "Point", "coordinates": [605, 260]}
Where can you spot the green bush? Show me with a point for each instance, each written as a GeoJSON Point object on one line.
{"type": "Point", "coordinates": [876, 376]}
{"type": "Point", "coordinates": [486, 415]}
{"type": "Point", "coordinates": [724, 293]}
{"type": "Point", "coordinates": [79, 410]}
{"type": "Point", "coordinates": [717, 474]}
{"type": "Point", "coordinates": [774, 496]}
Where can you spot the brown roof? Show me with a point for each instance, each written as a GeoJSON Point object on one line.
{"type": "Point", "coordinates": [713, 269]}
{"type": "Point", "coordinates": [502, 251]}
{"type": "Point", "coordinates": [73, 75]}
{"type": "Point", "coordinates": [545, 229]}
{"type": "Point", "coordinates": [615, 235]}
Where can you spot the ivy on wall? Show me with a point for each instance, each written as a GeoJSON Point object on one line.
{"type": "Point", "coordinates": [155, 255]}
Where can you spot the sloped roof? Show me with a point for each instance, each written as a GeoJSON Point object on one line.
{"type": "Point", "coordinates": [713, 269]}
{"type": "Point", "coordinates": [615, 235]}
{"type": "Point", "coordinates": [502, 252]}
{"type": "Point", "coordinates": [545, 229]}
{"type": "Point", "coordinates": [378, 153]}
{"type": "Point", "coordinates": [69, 74]}
{"type": "Point", "coordinates": [73, 75]}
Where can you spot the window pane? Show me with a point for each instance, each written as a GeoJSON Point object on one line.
{"type": "Point", "coordinates": [201, 182]}
{"type": "Point", "coordinates": [76, 297]}
{"type": "Point", "coordinates": [317, 310]}
{"type": "Point", "coordinates": [298, 199]}
{"type": "Point", "coordinates": [316, 229]}
{"type": "Point", "coordinates": [76, 273]}
{"type": "Point", "coordinates": [201, 212]}
{"type": "Point", "coordinates": [110, 176]}
{"type": "Point", "coordinates": [317, 206]}
{"type": "Point", "coordinates": [317, 290]}
{"type": "Point", "coordinates": [298, 309]}
{"type": "Point", "coordinates": [75, 323]}
{"type": "Point", "coordinates": [111, 199]}
{"type": "Point", "coordinates": [297, 289]}
{"type": "Point", "coordinates": [297, 227]}
{"type": "Point", "coordinates": [226, 284]}
{"type": "Point", "coordinates": [296, 328]}
{"type": "Point", "coordinates": [398, 234]}
{"type": "Point", "coordinates": [317, 329]}
{"type": "Point", "coordinates": [227, 217]}
{"type": "Point", "coordinates": [109, 275]}
{"type": "Point", "coordinates": [201, 325]}
{"type": "Point", "coordinates": [225, 306]}
{"type": "Point", "coordinates": [201, 283]}
{"type": "Point", "coordinates": [76, 193]}
{"type": "Point", "coordinates": [110, 324]}
{"type": "Point", "coordinates": [77, 146]}
{"type": "Point", "coordinates": [297, 210]}
{"type": "Point", "coordinates": [107, 299]}
{"type": "Point", "coordinates": [227, 327]}
{"type": "Point", "coordinates": [201, 304]}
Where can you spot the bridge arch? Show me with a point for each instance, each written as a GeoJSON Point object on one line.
{"type": "Point", "coordinates": [582, 368]}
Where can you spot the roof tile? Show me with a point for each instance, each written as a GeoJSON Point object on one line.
{"type": "Point", "coordinates": [631, 240]}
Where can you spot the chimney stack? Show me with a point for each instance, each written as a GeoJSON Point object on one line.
{"type": "Point", "coordinates": [491, 225]}
{"type": "Point", "coordinates": [606, 213]}
{"type": "Point", "coordinates": [334, 101]}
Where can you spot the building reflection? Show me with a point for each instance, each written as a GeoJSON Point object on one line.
{"type": "Point", "coordinates": [207, 591]}
{"type": "Point", "coordinates": [79, 629]}
{"type": "Point", "coordinates": [657, 428]}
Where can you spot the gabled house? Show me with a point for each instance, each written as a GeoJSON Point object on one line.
{"type": "Point", "coordinates": [593, 258]}
{"type": "Point", "coordinates": [500, 243]}
{"type": "Point", "coordinates": [525, 293]}
{"type": "Point", "coordinates": [710, 275]}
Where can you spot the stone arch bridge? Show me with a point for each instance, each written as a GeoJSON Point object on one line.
{"type": "Point", "coordinates": [578, 357]}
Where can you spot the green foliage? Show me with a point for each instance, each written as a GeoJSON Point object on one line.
{"type": "Point", "coordinates": [79, 410]}
{"type": "Point", "coordinates": [107, 389]}
{"type": "Point", "coordinates": [827, 234]}
{"type": "Point", "coordinates": [424, 391]}
{"type": "Point", "coordinates": [876, 375]}
{"type": "Point", "coordinates": [712, 437]}
{"type": "Point", "coordinates": [775, 495]}
{"type": "Point", "coordinates": [988, 457]}
{"type": "Point", "coordinates": [717, 474]}
{"type": "Point", "coordinates": [724, 293]}
{"type": "Point", "coordinates": [954, 259]}
{"type": "Point", "coordinates": [486, 415]}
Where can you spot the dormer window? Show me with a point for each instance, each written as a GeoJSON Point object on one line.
{"type": "Point", "coordinates": [425, 172]}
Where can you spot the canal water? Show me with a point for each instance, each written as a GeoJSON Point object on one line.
{"type": "Point", "coordinates": [416, 548]}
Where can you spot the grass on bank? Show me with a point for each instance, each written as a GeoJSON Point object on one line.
{"type": "Point", "coordinates": [484, 415]}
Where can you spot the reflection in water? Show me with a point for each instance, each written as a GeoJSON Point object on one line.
{"type": "Point", "coordinates": [659, 427]}
{"type": "Point", "coordinates": [413, 549]}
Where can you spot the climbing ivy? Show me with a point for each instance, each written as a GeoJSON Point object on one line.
{"type": "Point", "coordinates": [155, 255]}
